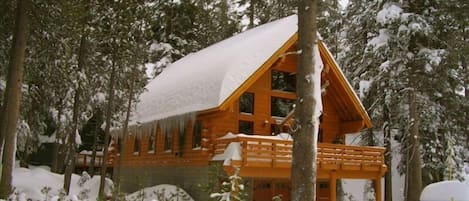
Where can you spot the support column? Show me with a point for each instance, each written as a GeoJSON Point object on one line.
{"type": "Point", "coordinates": [333, 186]}
{"type": "Point", "coordinates": [378, 192]}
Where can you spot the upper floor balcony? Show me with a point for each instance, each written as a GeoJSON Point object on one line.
{"type": "Point", "coordinates": [270, 157]}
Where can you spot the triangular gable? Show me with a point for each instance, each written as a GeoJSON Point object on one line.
{"type": "Point", "coordinates": [214, 77]}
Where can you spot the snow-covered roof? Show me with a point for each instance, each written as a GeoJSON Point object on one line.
{"type": "Point", "coordinates": [205, 79]}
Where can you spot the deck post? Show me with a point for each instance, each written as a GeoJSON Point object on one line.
{"type": "Point", "coordinates": [378, 192]}
{"type": "Point", "coordinates": [332, 186]}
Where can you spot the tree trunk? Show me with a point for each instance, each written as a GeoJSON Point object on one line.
{"type": "Point", "coordinates": [55, 149]}
{"type": "Point", "coordinates": [70, 163]}
{"type": "Point", "coordinates": [12, 96]}
{"type": "Point", "coordinates": [466, 89]}
{"type": "Point", "coordinates": [307, 115]}
{"type": "Point", "coordinates": [414, 174]}
{"type": "Point", "coordinates": [388, 153]}
{"type": "Point", "coordinates": [117, 178]}
{"type": "Point", "coordinates": [252, 10]}
{"type": "Point", "coordinates": [107, 130]}
{"type": "Point", "coordinates": [93, 153]}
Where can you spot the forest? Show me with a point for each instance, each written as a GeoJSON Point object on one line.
{"type": "Point", "coordinates": [84, 64]}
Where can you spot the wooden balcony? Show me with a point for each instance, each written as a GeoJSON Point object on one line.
{"type": "Point", "coordinates": [264, 157]}
{"type": "Point", "coordinates": [84, 160]}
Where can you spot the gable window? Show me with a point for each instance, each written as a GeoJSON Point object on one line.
{"type": "Point", "coordinates": [280, 107]}
{"type": "Point", "coordinates": [152, 139]}
{"type": "Point", "coordinates": [283, 81]}
{"type": "Point", "coordinates": [197, 135]}
{"type": "Point", "coordinates": [246, 103]}
{"type": "Point", "coordinates": [246, 127]}
{"type": "Point", "coordinates": [168, 140]}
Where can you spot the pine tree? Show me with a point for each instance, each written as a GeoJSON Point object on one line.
{"type": "Point", "coordinates": [11, 106]}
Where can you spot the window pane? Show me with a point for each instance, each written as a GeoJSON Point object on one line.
{"type": "Point", "coordinates": [283, 81]}
{"type": "Point", "coordinates": [280, 107]}
{"type": "Point", "coordinates": [168, 140]}
{"type": "Point", "coordinates": [246, 103]}
{"type": "Point", "coordinates": [136, 143]}
{"type": "Point", "coordinates": [152, 139]}
{"type": "Point", "coordinates": [197, 135]}
{"type": "Point", "coordinates": [246, 127]}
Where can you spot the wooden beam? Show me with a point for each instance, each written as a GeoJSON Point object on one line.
{"type": "Point", "coordinates": [378, 189]}
{"type": "Point", "coordinates": [333, 186]}
{"type": "Point", "coordinates": [351, 126]}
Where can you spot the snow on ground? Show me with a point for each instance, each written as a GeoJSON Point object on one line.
{"type": "Point", "coordinates": [160, 192]}
{"type": "Point", "coordinates": [38, 183]}
{"type": "Point", "coordinates": [445, 190]}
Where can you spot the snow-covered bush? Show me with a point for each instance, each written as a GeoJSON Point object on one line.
{"type": "Point", "coordinates": [232, 190]}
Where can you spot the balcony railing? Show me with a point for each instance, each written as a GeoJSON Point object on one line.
{"type": "Point", "coordinates": [260, 151]}
{"type": "Point", "coordinates": [84, 160]}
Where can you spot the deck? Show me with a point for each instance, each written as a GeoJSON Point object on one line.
{"type": "Point", "coordinates": [263, 157]}
{"type": "Point", "coordinates": [84, 160]}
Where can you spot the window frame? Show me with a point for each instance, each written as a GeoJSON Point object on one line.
{"type": "Point", "coordinates": [168, 145]}
{"type": "Point", "coordinates": [197, 134]}
{"type": "Point", "coordinates": [252, 97]}
{"type": "Point", "coordinates": [280, 98]}
{"type": "Point", "coordinates": [251, 123]}
{"type": "Point", "coordinates": [290, 84]}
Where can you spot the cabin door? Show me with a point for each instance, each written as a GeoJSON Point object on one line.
{"type": "Point", "coordinates": [323, 191]}
{"type": "Point", "coordinates": [266, 189]}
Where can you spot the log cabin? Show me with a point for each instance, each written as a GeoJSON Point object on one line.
{"type": "Point", "coordinates": [240, 93]}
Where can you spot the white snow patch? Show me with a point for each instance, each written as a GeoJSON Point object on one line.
{"type": "Point", "coordinates": [364, 86]}
{"type": "Point", "coordinates": [30, 182]}
{"type": "Point", "coordinates": [77, 138]}
{"type": "Point", "coordinates": [204, 79]}
{"type": "Point", "coordinates": [445, 190]}
{"type": "Point", "coordinates": [232, 152]}
{"type": "Point", "coordinates": [380, 40]}
{"type": "Point", "coordinates": [389, 13]}
{"type": "Point", "coordinates": [165, 191]}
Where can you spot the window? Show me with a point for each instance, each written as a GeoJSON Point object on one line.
{"type": "Point", "coordinates": [168, 140]}
{"type": "Point", "coordinates": [246, 127]}
{"type": "Point", "coordinates": [152, 139]}
{"type": "Point", "coordinates": [246, 103]}
{"type": "Point", "coordinates": [136, 144]}
{"type": "Point", "coordinates": [119, 144]}
{"type": "Point", "coordinates": [197, 135]}
{"type": "Point", "coordinates": [280, 107]}
{"type": "Point", "coordinates": [283, 81]}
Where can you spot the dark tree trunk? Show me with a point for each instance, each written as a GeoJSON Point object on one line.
{"type": "Point", "coordinates": [93, 153]}
{"type": "Point", "coordinates": [12, 96]}
{"type": "Point", "coordinates": [252, 11]}
{"type": "Point", "coordinates": [414, 167]}
{"type": "Point", "coordinates": [307, 119]}
{"type": "Point", "coordinates": [117, 178]}
{"type": "Point", "coordinates": [55, 149]}
{"type": "Point", "coordinates": [388, 153]}
{"type": "Point", "coordinates": [71, 144]}
{"type": "Point", "coordinates": [107, 130]}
